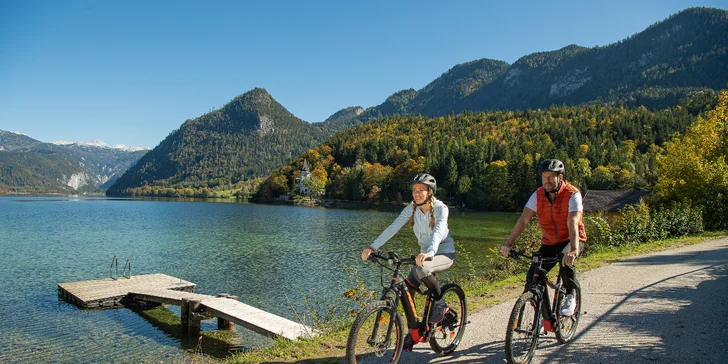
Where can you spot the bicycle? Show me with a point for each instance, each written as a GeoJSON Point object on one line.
{"type": "Point", "coordinates": [525, 323]}
{"type": "Point", "coordinates": [377, 335]}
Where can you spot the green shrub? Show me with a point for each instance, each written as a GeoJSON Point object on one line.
{"type": "Point", "coordinates": [715, 209]}
{"type": "Point", "coordinates": [598, 233]}
{"type": "Point", "coordinates": [633, 226]}
{"type": "Point", "coordinates": [676, 220]}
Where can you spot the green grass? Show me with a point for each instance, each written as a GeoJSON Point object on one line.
{"type": "Point", "coordinates": [482, 293]}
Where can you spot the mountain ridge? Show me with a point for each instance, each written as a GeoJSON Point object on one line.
{"type": "Point", "coordinates": [656, 67]}
{"type": "Point", "coordinates": [247, 137]}
{"type": "Point", "coordinates": [29, 165]}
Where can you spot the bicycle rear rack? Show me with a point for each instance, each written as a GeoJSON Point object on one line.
{"type": "Point", "coordinates": [124, 273]}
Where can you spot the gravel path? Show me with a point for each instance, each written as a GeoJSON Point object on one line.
{"type": "Point", "coordinates": [667, 307]}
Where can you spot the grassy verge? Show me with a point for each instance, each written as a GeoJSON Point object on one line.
{"type": "Point", "coordinates": [482, 294]}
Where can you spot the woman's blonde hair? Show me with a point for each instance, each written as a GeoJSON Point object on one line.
{"type": "Point", "coordinates": [432, 213]}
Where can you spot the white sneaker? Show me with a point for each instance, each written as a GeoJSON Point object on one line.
{"type": "Point", "coordinates": [569, 305]}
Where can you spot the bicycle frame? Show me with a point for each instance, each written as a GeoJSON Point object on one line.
{"type": "Point", "coordinates": [397, 293]}
{"type": "Point", "coordinates": [539, 286]}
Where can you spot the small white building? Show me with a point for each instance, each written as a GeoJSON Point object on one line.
{"type": "Point", "coordinates": [301, 187]}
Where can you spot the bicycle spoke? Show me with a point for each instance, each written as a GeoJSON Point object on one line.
{"type": "Point", "coordinates": [448, 333]}
{"type": "Point", "coordinates": [566, 328]}
{"type": "Point", "coordinates": [521, 334]}
{"type": "Point", "coordinates": [369, 341]}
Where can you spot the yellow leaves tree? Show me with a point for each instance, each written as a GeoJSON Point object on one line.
{"type": "Point", "coordinates": [318, 180]}
{"type": "Point", "coordinates": [694, 167]}
{"type": "Point", "coordinates": [375, 176]}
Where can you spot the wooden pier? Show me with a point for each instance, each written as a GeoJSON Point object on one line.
{"type": "Point", "coordinates": [161, 288]}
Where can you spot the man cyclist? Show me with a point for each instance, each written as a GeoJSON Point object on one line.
{"type": "Point", "coordinates": [559, 208]}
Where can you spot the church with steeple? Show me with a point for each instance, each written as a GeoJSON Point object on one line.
{"type": "Point", "coordinates": [301, 187]}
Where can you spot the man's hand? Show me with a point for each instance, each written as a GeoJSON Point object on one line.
{"type": "Point", "coordinates": [569, 258]}
{"type": "Point", "coordinates": [505, 249]}
{"type": "Point", "coordinates": [420, 259]}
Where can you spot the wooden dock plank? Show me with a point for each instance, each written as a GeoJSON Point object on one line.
{"type": "Point", "coordinates": [255, 319]}
{"type": "Point", "coordinates": [165, 296]}
{"type": "Point", "coordinates": [235, 311]}
{"type": "Point", "coordinates": [91, 293]}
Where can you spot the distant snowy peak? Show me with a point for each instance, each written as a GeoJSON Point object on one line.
{"type": "Point", "coordinates": [100, 144]}
{"type": "Point", "coordinates": [130, 149]}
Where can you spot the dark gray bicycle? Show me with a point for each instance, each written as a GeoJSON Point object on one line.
{"type": "Point", "coordinates": [534, 315]}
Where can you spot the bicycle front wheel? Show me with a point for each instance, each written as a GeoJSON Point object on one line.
{"type": "Point", "coordinates": [566, 325]}
{"type": "Point", "coordinates": [521, 334]}
{"type": "Point", "coordinates": [448, 333]}
{"type": "Point", "coordinates": [376, 336]}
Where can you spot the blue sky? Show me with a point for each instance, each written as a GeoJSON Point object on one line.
{"type": "Point", "coordinates": [131, 72]}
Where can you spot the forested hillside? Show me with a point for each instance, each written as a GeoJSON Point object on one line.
{"type": "Point", "coordinates": [248, 137]}
{"type": "Point", "coordinates": [488, 160]}
{"type": "Point", "coordinates": [654, 68]}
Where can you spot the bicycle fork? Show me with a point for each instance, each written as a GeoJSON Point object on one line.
{"type": "Point", "coordinates": [390, 326]}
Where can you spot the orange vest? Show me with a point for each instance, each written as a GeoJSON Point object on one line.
{"type": "Point", "coordinates": [553, 216]}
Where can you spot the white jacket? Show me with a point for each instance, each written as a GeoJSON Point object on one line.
{"type": "Point", "coordinates": [432, 241]}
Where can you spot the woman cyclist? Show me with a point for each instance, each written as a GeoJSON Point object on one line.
{"type": "Point", "coordinates": [427, 216]}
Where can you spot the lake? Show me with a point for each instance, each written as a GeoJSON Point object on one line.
{"type": "Point", "coordinates": [270, 256]}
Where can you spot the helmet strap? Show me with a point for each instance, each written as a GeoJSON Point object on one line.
{"type": "Point", "coordinates": [556, 191]}
{"type": "Point", "coordinates": [429, 197]}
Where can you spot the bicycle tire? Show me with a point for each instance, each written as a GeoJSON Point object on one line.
{"type": "Point", "coordinates": [359, 349]}
{"type": "Point", "coordinates": [521, 334]}
{"type": "Point", "coordinates": [566, 326]}
{"type": "Point", "coordinates": [447, 335]}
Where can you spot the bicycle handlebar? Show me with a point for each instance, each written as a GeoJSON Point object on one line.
{"type": "Point", "coordinates": [392, 258]}
{"type": "Point", "coordinates": [517, 255]}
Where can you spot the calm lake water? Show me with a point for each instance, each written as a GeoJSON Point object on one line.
{"type": "Point", "coordinates": [267, 255]}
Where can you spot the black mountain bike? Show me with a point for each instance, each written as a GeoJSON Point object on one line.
{"type": "Point", "coordinates": [378, 331]}
{"type": "Point", "coordinates": [533, 315]}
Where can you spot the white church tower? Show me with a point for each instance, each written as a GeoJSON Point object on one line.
{"type": "Point", "coordinates": [301, 187]}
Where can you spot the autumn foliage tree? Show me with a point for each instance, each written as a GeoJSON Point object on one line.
{"type": "Point", "coordinates": [488, 160]}
{"type": "Point", "coordinates": [694, 168]}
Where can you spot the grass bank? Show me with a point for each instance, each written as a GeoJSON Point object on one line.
{"type": "Point", "coordinates": [481, 291]}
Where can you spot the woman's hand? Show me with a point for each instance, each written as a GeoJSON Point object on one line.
{"type": "Point", "coordinates": [367, 251]}
{"type": "Point", "coordinates": [420, 259]}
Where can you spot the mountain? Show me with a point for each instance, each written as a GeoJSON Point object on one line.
{"type": "Point", "coordinates": [673, 60]}
{"type": "Point", "coordinates": [665, 63]}
{"type": "Point", "coordinates": [29, 165]}
{"type": "Point", "coordinates": [12, 141]}
{"type": "Point", "coordinates": [247, 137]}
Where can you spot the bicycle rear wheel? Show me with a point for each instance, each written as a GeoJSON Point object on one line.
{"type": "Point", "coordinates": [566, 326]}
{"type": "Point", "coordinates": [368, 339]}
{"type": "Point", "coordinates": [448, 333]}
{"type": "Point", "coordinates": [521, 334]}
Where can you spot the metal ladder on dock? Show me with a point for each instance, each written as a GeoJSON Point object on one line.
{"type": "Point", "coordinates": [124, 273]}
